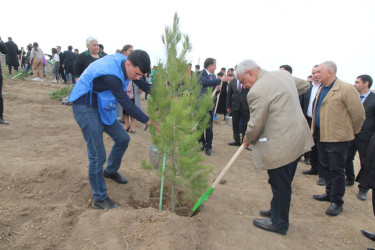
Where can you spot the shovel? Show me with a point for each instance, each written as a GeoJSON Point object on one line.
{"type": "Point", "coordinates": [205, 196]}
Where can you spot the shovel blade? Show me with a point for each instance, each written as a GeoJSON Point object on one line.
{"type": "Point", "coordinates": [203, 198]}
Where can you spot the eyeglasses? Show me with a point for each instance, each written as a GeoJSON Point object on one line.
{"type": "Point", "coordinates": [241, 81]}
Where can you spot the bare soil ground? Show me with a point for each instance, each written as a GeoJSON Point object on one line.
{"type": "Point", "coordinates": [45, 194]}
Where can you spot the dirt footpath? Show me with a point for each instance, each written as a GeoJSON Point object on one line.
{"type": "Point", "coordinates": [45, 194]}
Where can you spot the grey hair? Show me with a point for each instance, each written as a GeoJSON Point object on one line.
{"type": "Point", "coordinates": [330, 65]}
{"type": "Point", "coordinates": [89, 40]}
{"type": "Point", "coordinates": [246, 65]}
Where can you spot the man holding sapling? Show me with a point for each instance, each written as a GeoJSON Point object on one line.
{"type": "Point", "coordinates": [95, 96]}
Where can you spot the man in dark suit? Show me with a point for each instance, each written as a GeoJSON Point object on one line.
{"type": "Point", "coordinates": [237, 106]}
{"type": "Point", "coordinates": [360, 143]}
{"type": "Point", "coordinates": [209, 80]}
{"type": "Point", "coordinates": [366, 178]}
{"type": "Point", "coordinates": [61, 69]}
{"type": "Point", "coordinates": [307, 103]}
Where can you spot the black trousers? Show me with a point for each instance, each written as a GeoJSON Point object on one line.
{"type": "Point", "coordinates": [237, 116]}
{"type": "Point", "coordinates": [314, 154]}
{"type": "Point", "coordinates": [10, 68]}
{"type": "Point", "coordinates": [280, 180]}
{"type": "Point", "coordinates": [354, 146]}
{"type": "Point", "coordinates": [62, 73]}
{"type": "Point", "coordinates": [332, 157]}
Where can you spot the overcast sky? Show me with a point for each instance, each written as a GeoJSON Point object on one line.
{"type": "Point", "coordinates": [300, 33]}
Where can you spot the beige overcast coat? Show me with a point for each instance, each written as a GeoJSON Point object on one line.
{"type": "Point", "coordinates": [277, 128]}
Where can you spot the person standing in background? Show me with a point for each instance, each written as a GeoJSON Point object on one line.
{"type": "Point", "coordinates": [3, 50]}
{"type": "Point", "coordinates": [11, 57]}
{"type": "Point", "coordinates": [36, 59]}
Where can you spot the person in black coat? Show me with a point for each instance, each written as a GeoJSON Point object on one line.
{"type": "Point", "coordinates": [361, 141]}
{"type": "Point", "coordinates": [68, 63]}
{"type": "Point", "coordinates": [238, 107]}
{"type": "Point", "coordinates": [366, 177]}
{"type": "Point", "coordinates": [84, 59]}
{"type": "Point", "coordinates": [61, 69]}
{"type": "Point", "coordinates": [3, 50]}
{"type": "Point", "coordinates": [12, 55]}
{"type": "Point", "coordinates": [221, 106]}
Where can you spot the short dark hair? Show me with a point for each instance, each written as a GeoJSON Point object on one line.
{"type": "Point", "coordinates": [287, 68]}
{"type": "Point", "coordinates": [231, 69]}
{"type": "Point", "coordinates": [220, 74]}
{"type": "Point", "coordinates": [101, 46]}
{"type": "Point", "coordinates": [223, 68]}
{"type": "Point", "coordinates": [140, 58]}
{"type": "Point", "coordinates": [197, 66]}
{"type": "Point", "coordinates": [366, 78]}
{"type": "Point", "coordinates": [209, 61]}
{"type": "Point", "coordinates": [70, 47]}
{"type": "Point", "coordinates": [310, 76]}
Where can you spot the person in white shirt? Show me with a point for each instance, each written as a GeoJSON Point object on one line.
{"type": "Point", "coordinates": [56, 65]}
{"type": "Point", "coordinates": [307, 103]}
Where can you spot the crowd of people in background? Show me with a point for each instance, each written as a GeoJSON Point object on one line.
{"type": "Point", "coordinates": [340, 116]}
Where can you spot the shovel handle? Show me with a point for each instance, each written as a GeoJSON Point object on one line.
{"type": "Point", "coordinates": [228, 166]}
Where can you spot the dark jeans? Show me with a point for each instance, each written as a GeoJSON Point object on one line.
{"type": "Point", "coordinates": [280, 180]}
{"type": "Point", "coordinates": [354, 146]}
{"type": "Point", "coordinates": [239, 116]}
{"type": "Point", "coordinates": [88, 119]}
{"type": "Point", "coordinates": [332, 157]}
{"type": "Point", "coordinates": [207, 140]}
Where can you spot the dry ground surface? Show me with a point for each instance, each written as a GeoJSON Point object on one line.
{"type": "Point", "coordinates": [45, 194]}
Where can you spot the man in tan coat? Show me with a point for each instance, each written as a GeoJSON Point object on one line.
{"type": "Point", "coordinates": [279, 134]}
{"type": "Point", "coordinates": [338, 114]}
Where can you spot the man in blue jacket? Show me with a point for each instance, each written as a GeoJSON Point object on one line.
{"type": "Point", "coordinates": [208, 80]}
{"type": "Point", "coordinates": [95, 96]}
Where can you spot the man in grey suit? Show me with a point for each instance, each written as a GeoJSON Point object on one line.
{"type": "Point", "coordinates": [237, 106]}
{"type": "Point", "coordinates": [362, 84]}
{"type": "Point", "coordinates": [279, 133]}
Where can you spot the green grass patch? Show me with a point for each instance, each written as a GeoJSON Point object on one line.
{"type": "Point", "coordinates": [59, 94]}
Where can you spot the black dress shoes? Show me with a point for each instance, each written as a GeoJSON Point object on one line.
{"type": "Point", "coordinates": [368, 234]}
{"type": "Point", "coordinates": [119, 178]}
{"type": "Point", "coordinates": [310, 172]}
{"type": "Point", "coordinates": [208, 151]}
{"type": "Point", "coordinates": [321, 182]}
{"type": "Point", "coordinates": [105, 204]}
{"type": "Point", "coordinates": [321, 197]}
{"type": "Point", "coordinates": [265, 213]}
{"type": "Point", "coordinates": [266, 224]}
{"type": "Point", "coordinates": [234, 144]}
{"type": "Point", "coordinates": [334, 209]}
